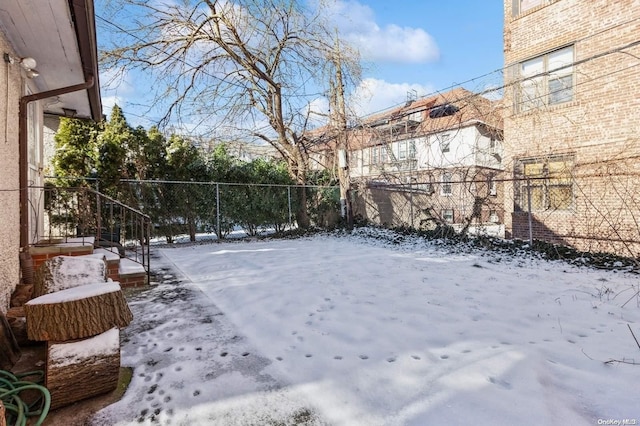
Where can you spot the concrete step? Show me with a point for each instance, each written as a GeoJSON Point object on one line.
{"type": "Point", "coordinates": [113, 262]}
{"type": "Point", "coordinates": [132, 274]}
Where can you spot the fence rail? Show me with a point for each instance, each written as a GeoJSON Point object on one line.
{"type": "Point", "coordinates": [78, 212]}
{"type": "Point", "coordinates": [187, 208]}
{"type": "Point", "coordinates": [591, 213]}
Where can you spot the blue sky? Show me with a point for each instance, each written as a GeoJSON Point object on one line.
{"type": "Point", "coordinates": [419, 46]}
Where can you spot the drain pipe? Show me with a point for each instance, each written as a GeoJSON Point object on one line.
{"type": "Point", "coordinates": [23, 150]}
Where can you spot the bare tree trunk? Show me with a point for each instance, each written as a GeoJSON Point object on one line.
{"type": "Point", "coordinates": [302, 215]}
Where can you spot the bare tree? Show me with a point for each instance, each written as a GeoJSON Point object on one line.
{"type": "Point", "coordinates": [250, 66]}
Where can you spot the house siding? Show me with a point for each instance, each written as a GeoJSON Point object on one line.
{"type": "Point", "coordinates": [10, 89]}
{"type": "Point", "coordinates": [599, 127]}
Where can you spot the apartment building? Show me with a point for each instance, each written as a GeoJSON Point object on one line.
{"type": "Point", "coordinates": [431, 161]}
{"type": "Point", "coordinates": [571, 122]}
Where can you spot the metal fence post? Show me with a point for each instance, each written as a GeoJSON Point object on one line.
{"type": "Point", "coordinates": [529, 211]}
{"type": "Point", "coordinates": [218, 210]}
{"type": "Point", "coordinates": [289, 202]}
{"type": "Point", "coordinates": [411, 200]}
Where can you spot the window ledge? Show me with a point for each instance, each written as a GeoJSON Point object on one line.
{"type": "Point", "coordinates": [534, 9]}
{"type": "Point", "coordinates": [547, 108]}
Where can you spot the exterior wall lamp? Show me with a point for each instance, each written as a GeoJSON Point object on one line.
{"type": "Point", "coordinates": [28, 64]}
{"type": "Point", "coordinates": [69, 112]}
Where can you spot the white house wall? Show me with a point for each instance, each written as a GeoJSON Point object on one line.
{"type": "Point", "coordinates": [467, 147]}
{"type": "Point", "coordinates": [10, 92]}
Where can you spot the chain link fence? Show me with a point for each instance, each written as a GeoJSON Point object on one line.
{"type": "Point", "coordinates": [188, 208]}
{"type": "Point", "coordinates": [597, 213]}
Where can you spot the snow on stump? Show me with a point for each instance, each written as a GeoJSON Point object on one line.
{"type": "Point", "coordinates": [82, 369]}
{"type": "Point", "coordinates": [9, 350]}
{"type": "Point", "coordinates": [77, 313]}
{"type": "Point", "coordinates": [63, 272]}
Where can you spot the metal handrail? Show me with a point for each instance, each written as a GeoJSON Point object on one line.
{"type": "Point", "coordinates": [78, 212]}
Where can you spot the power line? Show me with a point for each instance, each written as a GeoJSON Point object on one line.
{"type": "Point", "coordinates": [507, 67]}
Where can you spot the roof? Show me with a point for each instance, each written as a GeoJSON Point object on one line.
{"type": "Point", "coordinates": [61, 36]}
{"type": "Point", "coordinates": [445, 111]}
{"type": "Point", "coordinates": [434, 112]}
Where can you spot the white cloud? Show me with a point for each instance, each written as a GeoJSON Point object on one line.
{"type": "Point", "coordinates": [391, 43]}
{"type": "Point", "coordinates": [373, 95]}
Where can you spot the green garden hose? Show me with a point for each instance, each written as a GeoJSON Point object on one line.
{"type": "Point", "coordinates": [17, 410]}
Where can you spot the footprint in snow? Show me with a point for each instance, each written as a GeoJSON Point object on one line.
{"type": "Point", "coordinates": [391, 359]}
{"type": "Point", "coordinates": [364, 357]}
{"type": "Point", "coordinates": [501, 383]}
{"type": "Point", "coordinates": [416, 357]}
{"type": "Point", "coordinates": [444, 356]}
{"type": "Point", "coordinates": [338, 357]}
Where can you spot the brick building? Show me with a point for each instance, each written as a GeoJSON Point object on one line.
{"type": "Point", "coordinates": [572, 122]}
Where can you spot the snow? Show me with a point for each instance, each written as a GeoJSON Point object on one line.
{"type": "Point", "coordinates": [107, 253]}
{"type": "Point", "coordinates": [106, 343]}
{"type": "Point", "coordinates": [128, 266]}
{"type": "Point", "coordinates": [350, 330]}
{"type": "Point", "coordinates": [76, 293]}
{"type": "Point", "coordinates": [73, 271]}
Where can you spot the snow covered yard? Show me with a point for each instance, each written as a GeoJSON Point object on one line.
{"type": "Point", "coordinates": [353, 331]}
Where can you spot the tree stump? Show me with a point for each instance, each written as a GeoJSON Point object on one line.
{"type": "Point", "coordinates": [82, 369]}
{"type": "Point", "coordinates": [77, 313]}
{"type": "Point", "coordinates": [3, 419]}
{"type": "Point", "coordinates": [63, 272]}
{"type": "Point", "coordinates": [9, 350]}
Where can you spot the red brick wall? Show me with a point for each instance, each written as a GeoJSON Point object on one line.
{"type": "Point", "coordinates": [600, 126]}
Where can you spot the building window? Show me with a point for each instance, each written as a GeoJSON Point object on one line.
{"type": "Point", "coordinates": [446, 188]}
{"type": "Point", "coordinates": [547, 181]}
{"type": "Point", "coordinates": [402, 150]}
{"type": "Point", "coordinates": [445, 143]}
{"type": "Point", "coordinates": [493, 216]}
{"type": "Point", "coordinates": [521, 6]}
{"type": "Point", "coordinates": [547, 80]}
{"type": "Point", "coordinates": [447, 215]}
{"type": "Point", "coordinates": [412, 150]}
{"type": "Point", "coordinates": [384, 153]}
{"type": "Point", "coordinates": [374, 155]}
